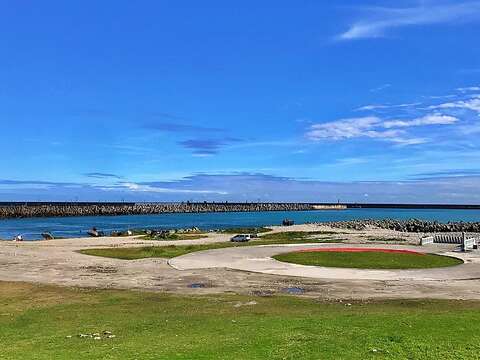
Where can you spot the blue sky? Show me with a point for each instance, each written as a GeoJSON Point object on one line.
{"type": "Point", "coordinates": [214, 100]}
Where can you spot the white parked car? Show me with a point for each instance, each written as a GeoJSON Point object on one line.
{"type": "Point", "coordinates": [241, 238]}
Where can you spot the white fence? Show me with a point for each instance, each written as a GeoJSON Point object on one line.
{"type": "Point", "coordinates": [427, 240]}
{"type": "Point", "coordinates": [468, 242]}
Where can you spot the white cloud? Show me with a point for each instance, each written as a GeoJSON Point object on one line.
{"type": "Point", "coordinates": [153, 189]}
{"type": "Point", "coordinates": [434, 97]}
{"type": "Point", "coordinates": [352, 128]}
{"type": "Point", "coordinates": [387, 134]}
{"type": "Point", "coordinates": [374, 127]}
{"type": "Point", "coordinates": [380, 107]}
{"type": "Point", "coordinates": [372, 107]}
{"type": "Point", "coordinates": [343, 129]}
{"type": "Point", "coordinates": [472, 104]}
{"type": "Point", "coordinates": [380, 20]}
{"type": "Point", "coordinates": [409, 141]}
{"type": "Point", "coordinates": [432, 119]}
{"type": "Point", "coordinates": [468, 89]}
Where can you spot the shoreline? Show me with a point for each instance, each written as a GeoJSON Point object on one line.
{"type": "Point", "coordinates": [411, 226]}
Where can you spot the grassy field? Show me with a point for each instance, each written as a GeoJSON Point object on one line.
{"type": "Point", "coordinates": [368, 260]}
{"type": "Point", "coordinates": [39, 322]}
{"type": "Point", "coordinates": [296, 237]}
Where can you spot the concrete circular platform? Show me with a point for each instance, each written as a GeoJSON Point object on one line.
{"type": "Point", "coordinates": [259, 259]}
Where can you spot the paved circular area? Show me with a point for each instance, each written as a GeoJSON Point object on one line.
{"type": "Point", "coordinates": [259, 259]}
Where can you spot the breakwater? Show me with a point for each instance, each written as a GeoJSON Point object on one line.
{"type": "Point", "coordinates": [28, 210]}
{"type": "Point", "coordinates": [412, 225]}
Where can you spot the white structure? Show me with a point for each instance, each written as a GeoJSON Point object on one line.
{"type": "Point", "coordinates": [468, 242]}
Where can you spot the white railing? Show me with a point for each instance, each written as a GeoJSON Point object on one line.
{"type": "Point", "coordinates": [467, 242]}
{"type": "Point", "coordinates": [427, 240]}
{"type": "Point", "coordinates": [448, 238]}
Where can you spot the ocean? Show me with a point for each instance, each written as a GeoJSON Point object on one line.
{"type": "Point", "coordinates": [31, 228]}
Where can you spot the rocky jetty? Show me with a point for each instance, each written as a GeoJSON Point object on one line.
{"type": "Point", "coordinates": [95, 209]}
{"type": "Point", "coordinates": [412, 225]}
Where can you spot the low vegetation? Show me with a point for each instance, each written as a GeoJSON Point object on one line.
{"type": "Point", "coordinates": [246, 230]}
{"type": "Point", "coordinates": [43, 323]}
{"type": "Point", "coordinates": [385, 239]}
{"type": "Point", "coordinates": [296, 237]}
{"type": "Point", "coordinates": [176, 236]}
{"type": "Point", "coordinates": [369, 260]}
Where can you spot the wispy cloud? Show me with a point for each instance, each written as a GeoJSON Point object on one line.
{"type": "Point", "coordinates": [381, 87]}
{"type": "Point", "coordinates": [409, 141]}
{"type": "Point", "coordinates": [350, 128]}
{"type": "Point", "coordinates": [352, 161]}
{"type": "Point", "coordinates": [448, 173]}
{"type": "Point", "coordinates": [472, 104]}
{"type": "Point", "coordinates": [35, 182]}
{"type": "Point", "coordinates": [268, 187]}
{"type": "Point", "coordinates": [66, 190]}
{"type": "Point", "coordinates": [136, 187]}
{"type": "Point", "coordinates": [469, 89]}
{"type": "Point", "coordinates": [99, 175]}
{"type": "Point", "coordinates": [469, 129]}
{"type": "Point", "coordinates": [379, 20]}
{"type": "Point", "coordinates": [443, 187]}
{"type": "Point", "coordinates": [436, 97]}
{"type": "Point", "coordinates": [176, 127]}
{"type": "Point", "coordinates": [377, 128]}
{"type": "Point", "coordinates": [386, 106]}
{"type": "Point", "coordinates": [433, 119]}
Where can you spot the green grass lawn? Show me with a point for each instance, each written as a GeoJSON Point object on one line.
{"type": "Point", "coordinates": [368, 260]}
{"type": "Point", "coordinates": [132, 253]}
{"type": "Point", "coordinates": [36, 322]}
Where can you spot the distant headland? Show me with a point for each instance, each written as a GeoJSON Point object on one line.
{"type": "Point", "coordinates": [57, 209]}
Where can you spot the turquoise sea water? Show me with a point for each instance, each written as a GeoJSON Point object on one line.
{"type": "Point", "coordinates": [77, 226]}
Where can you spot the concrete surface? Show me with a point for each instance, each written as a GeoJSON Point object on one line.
{"type": "Point", "coordinates": [259, 259]}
